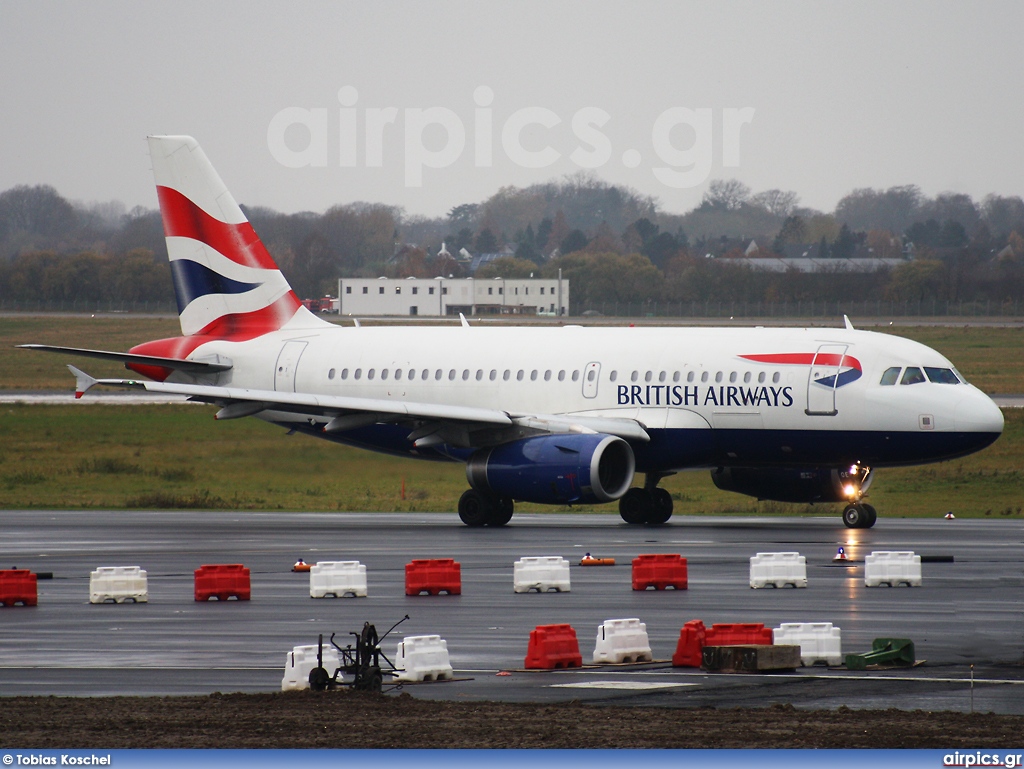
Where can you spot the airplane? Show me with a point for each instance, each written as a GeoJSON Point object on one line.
{"type": "Point", "coordinates": [551, 415]}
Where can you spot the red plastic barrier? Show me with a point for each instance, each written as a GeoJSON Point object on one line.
{"type": "Point", "coordinates": [222, 581]}
{"type": "Point", "coordinates": [18, 586]}
{"type": "Point", "coordinates": [433, 576]}
{"type": "Point", "coordinates": [659, 571]}
{"type": "Point", "coordinates": [691, 642]}
{"type": "Point", "coordinates": [738, 633]}
{"type": "Point", "coordinates": [553, 646]}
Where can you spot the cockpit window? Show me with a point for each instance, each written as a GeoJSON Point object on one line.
{"type": "Point", "coordinates": [912, 375]}
{"type": "Point", "coordinates": [941, 375]}
{"type": "Point", "coordinates": [891, 375]}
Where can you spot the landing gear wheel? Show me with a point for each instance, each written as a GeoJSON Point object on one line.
{"type": "Point", "coordinates": [634, 506]}
{"type": "Point", "coordinates": [319, 679]}
{"type": "Point", "coordinates": [474, 508]}
{"type": "Point", "coordinates": [859, 516]}
{"type": "Point", "coordinates": [503, 510]}
{"type": "Point", "coordinates": [661, 508]}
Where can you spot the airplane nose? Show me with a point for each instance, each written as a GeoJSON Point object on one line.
{"type": "Point", "coordinates": [978, 414]}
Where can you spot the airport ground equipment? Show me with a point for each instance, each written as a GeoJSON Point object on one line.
{"type": "Point", "coordinates": [884, 651]}
{"type": "Point", "coordinates": [660, 571]}
{"type": "Point", "coordinates": [360, 661]}
{"type": "Point", "coordinates": [541, 573]}
{"type": "Point", "coordinates": [818, 641]}
{"type": "Point", "coordinates": [222, 581]}
{"type": "Point", "coordinates": [18, 586]}
{"type": "Point", "coordinates": [892, 568]}
{"type": "Point", "coordinates": [553, 646]}
{"type": "Point", "coordinates": [778, 570]}
{"type": "Point", "coordinates": [337, 579]}
{"type": "Point", "coordinates": [118, 584]}
{"type": "Point", "coordinates": [433, 576]}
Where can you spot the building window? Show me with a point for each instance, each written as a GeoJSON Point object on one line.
{"type": "Point", "coordinates": [501, 290]}
{"type": "Point", "coordinates": [542, 290]}
{"type": "Point", "coordinates": [348, 289]}
{"type": "Point", "coordinates": [366, 289]}
{"type": "Point", "coordinates": [490, 290]}
{"type": "Point", "coordinates": [398, 289]}
{"type": "Point", "coordinates": [430, 290]}
{"type": "Point", "coordinates": [380, 290]}
{"type": "Point", "coordinates": [444, 290]}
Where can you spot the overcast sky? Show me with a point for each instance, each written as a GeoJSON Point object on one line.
{"type": "Point", "coordinates": [819, 98]}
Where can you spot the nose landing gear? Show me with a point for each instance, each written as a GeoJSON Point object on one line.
{"type": "Point", "coordinates": [859, 515]}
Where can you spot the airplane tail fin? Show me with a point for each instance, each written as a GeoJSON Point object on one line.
{"type": "Point", "coordinates": [226, 283]}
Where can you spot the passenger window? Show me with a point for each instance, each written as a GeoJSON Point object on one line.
{"type": "Point", "coordinates": [576, 376]}
{"type": "Point", "coordinates": [718, 376]}
{"type": "Point", "coordinates": [760, 378]}
{"type": "Point", "coordinates": [437, 375]}
{"type": "Point", "coordinates": [465, 374]}
{"type": "Point", "coordinates": [369, 374]}
{"type": "Point", "coordinates": [384, 374]}
{"type": "Point", "coordinates": [912, 375]}
{"type": "Point", "coordinates": [451, 375]}
{"type": "Point", "coordinates": [648, 376]}
{"type": "Point", "coordinates": [479, 374]}
{"type": "Point", "coordinates": [890, 376]}
{"type": "Point", "coordinates": [590, 375]}
{"type": "Point", "coordinates": [493, 374]}
{"type": "Point", "coordinates": [533, 375]}
{"type": "Point", "coordinates": [676, 376]}
{"type": "Point", "coordinates": [561, 375]}
{"type": "Point", "coordinates": [634, 376]}
{"type": "Point", "coordinates": [689, 376]}
{"type": "Point", "coordinates": [704, 376]}
{"type": "Point", "coordinates": [941, 375]}
{"type": "Point", "coordinates": [506, 375]}
{"type": "Point", "coordinates": [732, 376]}
{"type": "Point", "coordinates": [746, 377]}
{"type": "Point", "coordinates": [359, 373]}
{"type": "Point", "coordinates": [661, 376]}
{"type": "Point", "coordinates": [611, 377]}
{"type": "Point", "coordinates": [398, 374]}
{"type": "Point", "coordinates": [519, 376]}
{"type": "Point", "coordinates": [344, 373]}
{"type": "Point", "coordinates": [330, 374]}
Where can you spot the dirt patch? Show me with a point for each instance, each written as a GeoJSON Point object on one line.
{"type": "Point", "coordinates": [356, 720]}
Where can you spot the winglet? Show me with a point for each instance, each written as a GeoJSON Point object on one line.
{"type": "Point", "coordinates": [82, 381]}
{"type": "Point", "coordinates": [849, 326]}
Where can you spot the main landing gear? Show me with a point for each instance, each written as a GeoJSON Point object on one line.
{"type": "Point", "coordinates": [647, 505]}
{"type": "Point", "coordinates": [859, 515]}
{"type": "Point", "coordinates": [476, 509]}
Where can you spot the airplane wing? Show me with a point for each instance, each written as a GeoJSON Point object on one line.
{"type": "Point", "coordinates": [436, 422]}
{"type": "Point", "coordinates": [188, 366]}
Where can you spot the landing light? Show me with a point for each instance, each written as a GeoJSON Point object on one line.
{"type": "Point", "coordinates": [850, 490]}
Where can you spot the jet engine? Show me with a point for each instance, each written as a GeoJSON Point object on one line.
{"type": "Point", "coordinates": [555, 469]}
{"type": "Point", "coordinates": [809, 484]}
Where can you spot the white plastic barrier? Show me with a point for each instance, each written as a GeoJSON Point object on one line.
{"type": "Point", "coordinates": [893, 568]}
{"type": "Point", "coordinates": [778, 570]}
{"type": "Point", "coordinates": [301, 660]}
{"type": "Point", "coordinates": [118, 584]}
{"type": "Point", "coordinates": [422, 658]}
{"type": "Point", "coordinates": [818, 641]}
{"type": "Point", "coordinates": [541, 573]}
{"type": "Point", "coordinates": [337, 579]}
{"type": "Point", "coordinates": [622, 640]}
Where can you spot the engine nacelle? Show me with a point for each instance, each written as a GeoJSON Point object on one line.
{"type": "Point", "coordinates": [809, 484]}
{"type": "Point", "coordinates": [555, 469]}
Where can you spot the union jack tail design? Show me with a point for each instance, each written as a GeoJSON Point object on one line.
{"type": "Point", "coordinates": [226, 283]}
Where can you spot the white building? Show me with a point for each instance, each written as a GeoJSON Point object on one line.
{"type": "Point", "coordinates": [450, 296]}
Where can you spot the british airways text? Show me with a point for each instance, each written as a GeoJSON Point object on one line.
{"type": "Point", "coordinates": [686, 395]}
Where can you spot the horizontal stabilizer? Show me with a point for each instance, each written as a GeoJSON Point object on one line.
{"type": "Point", "coordinates": [180, 364]}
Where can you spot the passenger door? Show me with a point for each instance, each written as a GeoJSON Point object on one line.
{"type": "Point", "coordinates": [822, 378]}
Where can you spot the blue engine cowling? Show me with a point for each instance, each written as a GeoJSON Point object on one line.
{"type": "Point", "coordinates": [555, 469]}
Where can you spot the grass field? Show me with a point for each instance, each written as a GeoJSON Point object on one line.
{"type": "Point", "coordinates": [154, 457]}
